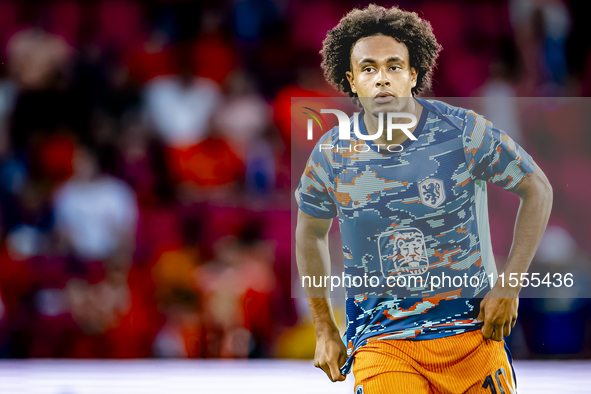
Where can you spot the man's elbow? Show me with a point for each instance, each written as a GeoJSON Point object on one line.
{"type": "Point", "coordinates": [543, 186]}
{"type": "Point", "coordinates": [311, 227]}
{"type": "Point", "coordinates": [537, 186]}
{"type": "Point", "coordinates": [547, 189]}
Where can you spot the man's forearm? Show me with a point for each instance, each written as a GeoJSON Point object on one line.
{"type": "Point", "coordinates": [530, 224]}
{"type": "Point", "coordinates": [313, 261]}
{"type": "Point", "coordinates": [498, 310]}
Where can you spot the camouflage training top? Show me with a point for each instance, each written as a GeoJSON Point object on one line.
{"type": "Point", "coordinates": [421, 212]}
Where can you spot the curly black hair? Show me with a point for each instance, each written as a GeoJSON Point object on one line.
{"type": "Point", "coordinates": [404, 26]}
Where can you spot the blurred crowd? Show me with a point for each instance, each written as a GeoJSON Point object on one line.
{"type": "Point", "coordinates": [145, 185]}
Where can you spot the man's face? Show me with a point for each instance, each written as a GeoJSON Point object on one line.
{"type": "Point", "coordinates": [381, 74]}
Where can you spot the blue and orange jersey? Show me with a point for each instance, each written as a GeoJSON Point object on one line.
{"type": "Point", "coordinates": [420, 212]}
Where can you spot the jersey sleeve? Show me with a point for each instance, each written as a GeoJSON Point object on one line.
{"type": "Point", "coordinates": [492, 156]}
{"type": "Point", "coordinates": [315, 193]}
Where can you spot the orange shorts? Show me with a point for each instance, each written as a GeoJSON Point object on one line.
{"type": "Point", "coordinates": [463, 363]}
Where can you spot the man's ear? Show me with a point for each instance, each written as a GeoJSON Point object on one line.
{"type": "Point", "coordinates": [351, 81]}
{"type": "Point", "coordinates": [414, 76]}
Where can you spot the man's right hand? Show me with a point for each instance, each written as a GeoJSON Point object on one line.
{"type": "Point", "coordinates": [330, 355]}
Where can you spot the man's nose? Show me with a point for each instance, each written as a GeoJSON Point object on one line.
{"type": "Point", "coordinates": [382, 79]}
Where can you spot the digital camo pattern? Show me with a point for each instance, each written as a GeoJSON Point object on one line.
{"type": "Point", "coordinates": [420, 212]}
{"type": "Point", "coordinates": [403, 252]}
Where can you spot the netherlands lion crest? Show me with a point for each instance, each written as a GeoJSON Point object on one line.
{"type": "Point", "coordinates": [431, 192]}
{"type": "Point", "coordinates": [403, 252]}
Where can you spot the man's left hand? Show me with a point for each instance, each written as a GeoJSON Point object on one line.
{"type": "Point", "coordinates": [498, 310]}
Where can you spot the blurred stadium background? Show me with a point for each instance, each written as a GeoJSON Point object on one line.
{"type": "Point", "coordinates": [145, 167]}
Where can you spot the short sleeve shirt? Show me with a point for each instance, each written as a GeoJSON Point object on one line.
{"type": "Point", "coordinates": [421, 212]}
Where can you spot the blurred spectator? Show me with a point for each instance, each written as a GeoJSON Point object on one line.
{"type": "Point", "coordinates": [37, 59]}
{"type": "Point", "coordinates": [182, 334]}
{"type": "Point", "coordinates": [245, 115]}
{"type": "Point", "coordinates": [211, 166]}
{"type": "Point", "coordinates": [180, 106]}
{"type": "Point", "coordinates": [29, 233]}
{"type": "Point", "coordinates": [499, 92]}
{"type": "Point", "coordinates": [541, 30]}
{"type": "Point", "coordinates": [175, 267]}
{"type": "Point", "coordinates": [213, 43]}
{"type": "Point", "coordinates": [244, 122]}
{"type": "Point", "coordinates": [99, 306]}
{"type": "Point", "coordinates": [178, 295]}
{"type": "Point", "coordinates": [7, 100]}
{"type": "Point", "coordinates": [152, 59]}
{"type": "Point", "coordinates": [236, 290]}
{"type": "Point", "coordinates": [96, 214]}
{"type": "Point", "coordinates": [143, 163]}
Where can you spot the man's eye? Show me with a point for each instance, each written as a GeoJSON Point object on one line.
{"type": "Point", "coordinates": [368, 69]}
{"type": "Point", "coordinates": [395, 67]}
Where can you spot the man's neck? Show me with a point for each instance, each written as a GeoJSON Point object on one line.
{"type": "Point", "coordinates": [371, 122]}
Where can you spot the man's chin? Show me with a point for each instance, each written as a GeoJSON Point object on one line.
{"type": "Point", "coordinates": [394, 106]}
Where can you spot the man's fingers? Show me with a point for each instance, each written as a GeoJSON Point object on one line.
{"type": "Point", "coordinates": [342, 359]}
{"type": "Point", "coordinates": [497, 334]}
{"type": "Point", "coordinates": [326, 370]}
{"type": "Point", "coordinates": [481, 313]}
{"type": "Point", "coordinates": [323, 366]}
{"type": "Point", "coordinates": [507, 329]}
{"type": "Point", "coordinates": [330, 369]}
{"type": "Point", "coordinates": [335, 372]}
{"type": "Point", "coordinates": [480, 316]}
{"type": "Point", "coordinates": [330, 356]}
{"type": "Point", "coordinates": [487, 330]}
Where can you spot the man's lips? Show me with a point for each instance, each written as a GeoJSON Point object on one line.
{"type": "Point", "coordinates": [383, 97]}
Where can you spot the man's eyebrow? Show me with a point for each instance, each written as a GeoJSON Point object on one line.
{"type": "Point", "coordinates": [390, 60]}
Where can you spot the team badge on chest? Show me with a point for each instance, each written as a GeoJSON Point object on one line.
{"type": "Point", "coordinates": [403, 252]}
{"type": "Point", "coordinates": [431, 192]}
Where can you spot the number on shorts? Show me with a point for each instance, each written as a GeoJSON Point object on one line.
{"type": "Point", "coordinates": [489, 383]}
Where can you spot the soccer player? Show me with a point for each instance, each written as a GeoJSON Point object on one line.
{"type": "Point", "coordinates": [419, 209]}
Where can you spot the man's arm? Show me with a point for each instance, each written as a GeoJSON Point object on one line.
{"type": "Point", "coordinates": [314, 261]}
{"type": "Point", "coordinates": [498, 309]}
